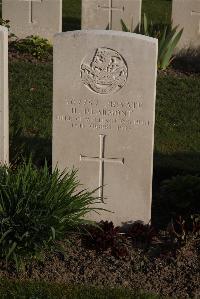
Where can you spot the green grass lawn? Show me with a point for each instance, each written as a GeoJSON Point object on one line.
{"type": "Point", "coordinates": [157, 10]}
{"type": "Point", "coordinates": [36, 290]}
{"type": "Point", "coordinates": [177, 131]}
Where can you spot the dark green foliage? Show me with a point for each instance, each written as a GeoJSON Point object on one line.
{"type": "Point", "coordinates": [181, 229]}
{"type": "Point", "coordinates": [141, 234]}
{"type": "Point", "coordinates": [167, 36]}
{"type": "Point", "coordinates": [37, 207]}
{"type": "Point", "coordinates": [35, 46]}
{"type": "Point", "coordinates": [106, 237]}
{"type": "Point", "coordinates": [182, 194]}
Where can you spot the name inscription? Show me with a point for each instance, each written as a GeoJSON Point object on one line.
{"type": "Point", "coordinates": [114, 115]}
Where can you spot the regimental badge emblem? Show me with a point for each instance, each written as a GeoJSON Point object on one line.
{"type": "Point", "coordinates": [105, 72]}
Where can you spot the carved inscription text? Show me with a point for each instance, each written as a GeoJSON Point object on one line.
{"type": "Point", "coordinates": [92, 114]}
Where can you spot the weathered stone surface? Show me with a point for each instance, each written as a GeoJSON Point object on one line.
{"type": "Point", "coordinates": [186, 14]}
{"type": "Point", "coordinates": [33, 17]}
{"type": "Point", "coordinates": [107, 14]}
{"type": "Point", "coordinates": [4, 125]}
{"type": "Point", "coordinates": [103, 116]}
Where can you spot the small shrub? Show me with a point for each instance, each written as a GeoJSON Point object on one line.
{"type": "Point", "coordinates": [141, 234]}
{"type": "Point", "coordinates": [106, 237]}
{"type": "Point", "coordinates": [167, 36]}
{"type": "Point", "coordinates": [35, 46]}
{"type": "Point", "coordinates": [181, 229]}
{"type": "Point", "coordinates": [37, 208]}
{"type": "Point", "coordinates": [196, 224]}
{"type": "Point", "coordinates": [181, 194]}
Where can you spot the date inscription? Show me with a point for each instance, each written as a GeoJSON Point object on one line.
{"type": "Point", "coordinates": [114, 115]}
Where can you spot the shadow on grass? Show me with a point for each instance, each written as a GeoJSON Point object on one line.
{"type": "Point", "coordinates": [188, 61]}
{"type": "Point", "coordinates": [70, 24]}
{"type": "Point", "coordinates": [21, 148]}
{"type": "Point", "coordinates": [166, 167]}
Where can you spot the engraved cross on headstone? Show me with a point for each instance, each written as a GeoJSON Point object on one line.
{"type": "Point", "coordinates": [196, 13]}
{"type": "Point", "coordinates": [110, 9]}
{"type": "Point", "coordinates": [31, 21]}
{"type": "Point", "coordinates": [101, 160]}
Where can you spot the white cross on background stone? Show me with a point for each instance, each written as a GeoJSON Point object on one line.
{"type": "Point", "coordinates": [110, 9]}
{"type": "Point", "coordinates": [196, 13]}
{"type": "Point", "coordinates": [31, 21]}
{"type": "Point", "coordinates": [101, 160]}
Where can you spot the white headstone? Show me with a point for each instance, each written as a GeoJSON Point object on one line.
{"type": "Point", "coordinates": [4, 125]}
{"type": "Point", "coordinates": [103, 116]}
{"type": "Point", "coordinates": [33, 17]}
{"type": "Point", "coordinates": [186, 14]}
{"type": "Point", "coordinates": [107, 14]}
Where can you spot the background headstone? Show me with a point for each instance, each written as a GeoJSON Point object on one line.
{"type": "Point", "coordinates": [4, 125]}
{"type": "Point", "coordinates": [107, 14]}
{"type": "Point", "coordinates": [103, 116]}
{"type": "Point", "coordinates": [186, 14]}
{"type": "Point", "coordinates": [33, 17]}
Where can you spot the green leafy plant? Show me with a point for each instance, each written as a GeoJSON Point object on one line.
{"type": "Point", "coordinates": [168, 38]}
{"type": "Point", "coordinates": [181, 228]}
{"type": "Point", "coordinates": [106, 237]}
{"type": "Point", "coordinates": [141, 234]}
{"type": "Point", "coordinates": [37, 208]}
{"type": "Point", "coordinates": [35, 46]}
{"type": "Point", "coordinates": [181, 194]}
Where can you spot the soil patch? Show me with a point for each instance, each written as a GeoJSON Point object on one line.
{"type": "Point", "coordinates": [15, 55]}
{"type": "Point", "coordinates": [145, 269]}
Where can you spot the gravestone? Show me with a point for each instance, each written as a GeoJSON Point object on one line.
{"type": "Point", "coordinates": [186, 14]}
{"type": "Point", "coordinates": [4, 126]}
{"type": "Point", "coordinates": [107, 14]}
{"type": "Point", "coordinates": [33, 17]}
{"type": "Point", "coordinates": [103, 116]}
